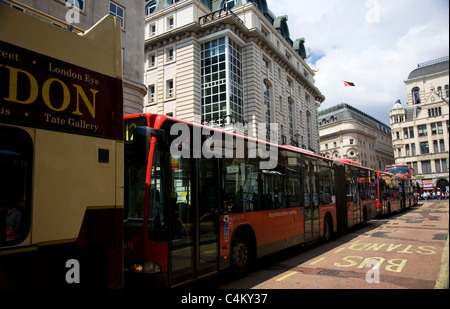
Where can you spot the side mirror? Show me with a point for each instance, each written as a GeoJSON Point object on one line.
{"type": "Point", "coordinates": [141, 142]}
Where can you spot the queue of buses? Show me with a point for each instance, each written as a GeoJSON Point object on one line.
{"type": "Point", "coordinates": [91, 198]}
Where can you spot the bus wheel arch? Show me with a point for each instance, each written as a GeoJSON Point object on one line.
{"type": "Point", "coordinates": [243, 250]}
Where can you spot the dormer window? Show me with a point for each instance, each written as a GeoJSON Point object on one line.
{"type": "Point", "coordinates": [150, 7]}
{"type": "Point", "coordinates": [228, 4]}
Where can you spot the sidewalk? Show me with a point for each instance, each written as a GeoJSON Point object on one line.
{"type": "Point", "coordinates": [443, 276]}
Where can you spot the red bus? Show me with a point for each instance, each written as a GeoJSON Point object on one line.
{"type": "Point", "coordinates": [409, 182]}
{"type": "Point", "coordinates": [401, 170]}
{"type": "Point", "coordinates": [199, 200]}
{"type": "Point", "coordinates": [395, 193]}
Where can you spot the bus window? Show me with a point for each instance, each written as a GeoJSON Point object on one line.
{"type": "Point", "coordinates": [134, 210]}
{"type": "Point", "coordinates": [240, 185]}
{"type": "Point", "coordinates": [350, 184]}
{"type": "Point", "coordinates": [272, 196]}
{"type": "Point", "coordinates": [16, 156]}
{"type": "Point", "coordinates": [326, 185]}
{"type": "Point", "coordinates": [294, 195]}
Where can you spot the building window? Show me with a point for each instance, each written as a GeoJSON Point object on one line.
{"type": "Point", "coordinates": [444, 165]}
{"type": "Point", "coordinates": [405, 133]}
{"type": "Point", "coordinates": [426, 167]}
{"type": "Point", "coordinates": [117, 11]}
{"type": "Point", "coordinates": [433, 129]}
{"type": "Point", "coordinates": [229, 4]}
{"type": "Point", "coordinates": [291, 122]}
{"type": "Point", "coordinates": [413, 149]}
{"type": "Point", "coordinates": [442, 145]}
{"type": "Point", "coordinates": [408, 153]}
{"type": "Point", "coordinates": [416, 95]}
{"type": "Point", "coordinates": [352, 141]}
{"type": "Point", "coordinates": [308, 129]}
{"type": "Point", "coordinates": [151, 60]}
{"type": "Point", "coordinates": [438, 166]}
{"type": "Point", "coordinates": [422, 129]}
{"type": "Point", "coordinates": [447, 94]}
{"type": "Point", "coordinates": [435, 147]}
{"type": "Point", "coordinates": [439, 91]}
{"type": "Point", "coordinates": [152, 29]}
{"type": "Point", "coordinates": [439, 128]}
{"type": "Point", "coordinates": [267, 106]}
{"type": "Point", "coordinates": [170, 88]}
{"type": "Point", "coordinates": [411, 132]}
{"type": "Point", "coordinates": [151, 93]}
{"type": "Point", "coordinates": [221, 98]}
{"type": "Point", "coordinates": [79, 4]}
{"type": "Point", "coordinates": [170, 22]}
{"type": "Point", "coordinates": [170, 54]}
{"type": "Point", "coordinates": [424, 149]}
{"type": "Point", "coordinates": [150, 7]}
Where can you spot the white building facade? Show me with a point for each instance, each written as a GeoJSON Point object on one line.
{"type": "Point", "coordinates": [420, 130]}
{"type": "Point", "coordinates": [230, 64]}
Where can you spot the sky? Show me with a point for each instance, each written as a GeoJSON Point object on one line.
{"type": "Point", "coordinates": [372, 43]}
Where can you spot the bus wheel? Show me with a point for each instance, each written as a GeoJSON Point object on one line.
{"type": "Point", "coordinates": [328, 228]}
{"type": "Point", "coordinates": [241, 255]}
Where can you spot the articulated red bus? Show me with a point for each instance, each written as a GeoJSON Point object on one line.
{"type": "Point", "coordinates": [401, 170]}
{"type": "Point", "coordinates": [409, 182]}
{"type": "Point", "coordinates": [199, 200]}
{"type": "Point", "coordinates": [394, 193]}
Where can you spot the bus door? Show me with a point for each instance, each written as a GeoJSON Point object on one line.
{"type": "Point", "coordinates": [194, 250]}
{"type": "Point", "coordinates": [311, 200]}
{"type": "Point", "coordinates": [341, 198]}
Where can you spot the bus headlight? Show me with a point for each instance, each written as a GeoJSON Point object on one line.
{"type": "Point", "coordinates": [146, 268]}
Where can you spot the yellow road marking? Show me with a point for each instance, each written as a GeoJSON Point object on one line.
{"type": "Point", "coordinates": [286, 276]}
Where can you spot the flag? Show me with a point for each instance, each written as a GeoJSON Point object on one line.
{"type": "Point", "coordinates": [349, 84]}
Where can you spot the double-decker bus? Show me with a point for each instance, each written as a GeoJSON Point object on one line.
{"type": "Point", "coordinates": [199, 200]}
{"type": "Point", "coordinates": [61, 154]}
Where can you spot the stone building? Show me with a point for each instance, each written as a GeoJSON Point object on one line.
{"type": "Point", "coordinates": [420, 135]}
{"type": "Point", "coordinates": [232, 64]}
{"type": "Point", "coordinates": [348, 133]}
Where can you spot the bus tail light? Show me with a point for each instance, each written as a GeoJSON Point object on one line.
{"type": "Point", "coordinates": [146, 268]}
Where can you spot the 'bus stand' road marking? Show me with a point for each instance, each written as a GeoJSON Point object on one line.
{"type": "Point", "coordinates": [317, 261]}
{"type": "Point", "coordinates": [286, 276]}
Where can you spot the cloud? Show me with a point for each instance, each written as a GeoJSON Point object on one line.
{"type": "Point", "coordinates": [373, 43]}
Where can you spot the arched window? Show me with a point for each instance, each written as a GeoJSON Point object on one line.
{"type": "Point", "coordinates": [229, 4]}
{"type": "Point", "coordinates": [416, 95]}
{"type": "Point", "coordinates": [150, 7]}
{"type": "Point", "coordinates": [447, 94]}
{"type": "Point", "coordinates": [439, 91]}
